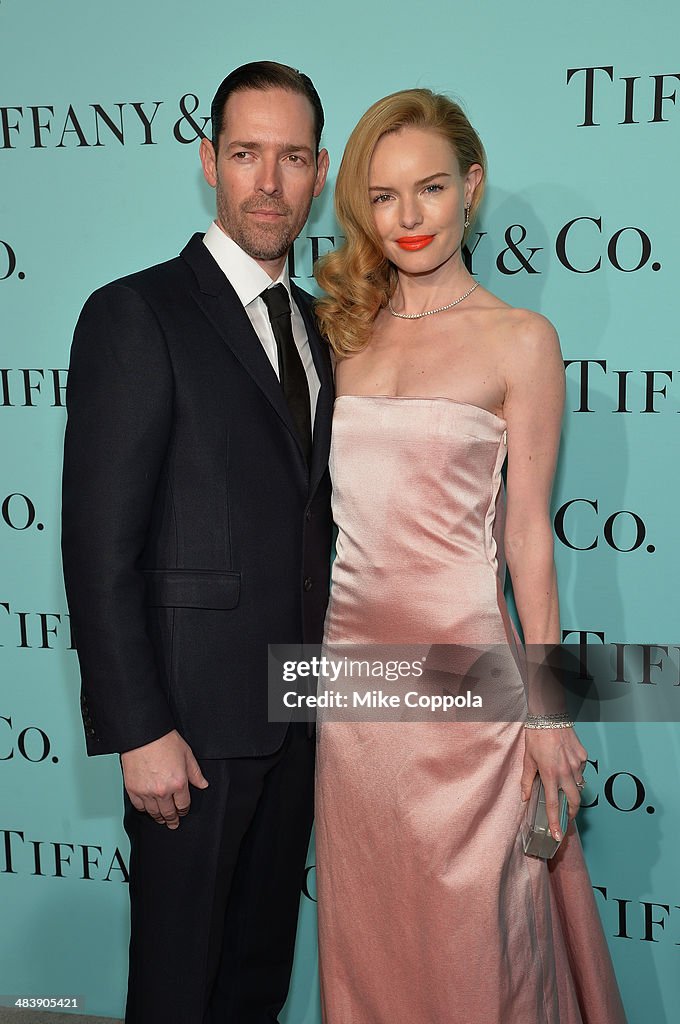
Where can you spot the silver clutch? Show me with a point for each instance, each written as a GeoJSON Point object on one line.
{"type": "Point", "coordinates": [535, 835]}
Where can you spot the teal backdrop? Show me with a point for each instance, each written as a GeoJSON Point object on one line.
{"type": "Point", "coordinates": [101, 106]}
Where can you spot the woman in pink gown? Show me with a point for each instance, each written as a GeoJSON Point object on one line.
{"type": "Point", "coordinates": [429, 910]}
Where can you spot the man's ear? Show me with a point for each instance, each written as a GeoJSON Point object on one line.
{"type": "Point", "coordinates": [208, 161]}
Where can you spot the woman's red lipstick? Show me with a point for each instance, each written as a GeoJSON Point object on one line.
{"type": "Point", "coordinates": [414, 242]}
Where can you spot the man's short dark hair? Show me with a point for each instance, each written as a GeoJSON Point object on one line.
{"type": "Point", "coordinates": [264, 74]}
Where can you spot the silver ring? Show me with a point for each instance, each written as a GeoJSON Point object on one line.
{"type": "Point", "coordinates": [580, 785]}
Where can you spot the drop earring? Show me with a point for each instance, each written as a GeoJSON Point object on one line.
{"type": "Point", "coordinates": [467, 216]}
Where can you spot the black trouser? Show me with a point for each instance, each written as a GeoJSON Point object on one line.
{"type": "Point", "coordinates": [214, 903]}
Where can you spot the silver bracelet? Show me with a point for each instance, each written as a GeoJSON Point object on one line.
{"type": "Point", "coordinates": [558, 721]}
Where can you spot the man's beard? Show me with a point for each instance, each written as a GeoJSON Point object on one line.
{"type": "Point", "coordinates": [261, 241]}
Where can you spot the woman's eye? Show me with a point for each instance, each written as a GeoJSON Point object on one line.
{"type": "Point", "coordinates": [434, 187]}
{"type": "Point", "coordinates": [382, 198]}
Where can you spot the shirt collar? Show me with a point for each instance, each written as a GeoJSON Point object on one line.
{"type": "Point", "coordinates": [246, 276]}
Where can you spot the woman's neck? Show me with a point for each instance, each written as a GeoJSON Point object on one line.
{"type": "Point", "coordinates": [416, 293]}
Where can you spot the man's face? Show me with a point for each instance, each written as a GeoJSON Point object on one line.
{"type": "Point", "coordinates": [265, 172]}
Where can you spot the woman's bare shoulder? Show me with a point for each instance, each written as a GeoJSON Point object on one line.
{"type": "Point", "coordinates": [522, 331]}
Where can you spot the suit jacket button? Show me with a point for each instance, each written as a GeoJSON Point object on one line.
{"type": "Point", "coordinates": [308, 583]}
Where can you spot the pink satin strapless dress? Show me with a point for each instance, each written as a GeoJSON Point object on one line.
{"type": "Point", "coordinates": [429, 910]}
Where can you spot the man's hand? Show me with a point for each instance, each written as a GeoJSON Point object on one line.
{"type": "Point", "coordinates": [157, 778]}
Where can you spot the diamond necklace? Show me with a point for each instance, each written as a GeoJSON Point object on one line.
{"type": "Point", "coordinates": [429, 312]}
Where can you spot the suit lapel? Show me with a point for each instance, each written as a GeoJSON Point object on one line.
{"type": "Point", "coordinates": [222, 306]}
{"type": "Point", "coordinates": [324, 402]}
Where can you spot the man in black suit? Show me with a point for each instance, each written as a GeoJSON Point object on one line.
{"type": "Point", "coordinates": [196, 531]}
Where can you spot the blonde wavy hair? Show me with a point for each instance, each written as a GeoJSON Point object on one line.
{"type": "Point", "coordinates": [357, 277]}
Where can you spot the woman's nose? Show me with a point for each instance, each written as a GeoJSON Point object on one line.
{"type": "Point", "coordinates": [410, 214]}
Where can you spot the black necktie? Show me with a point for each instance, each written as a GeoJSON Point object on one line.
{"type": "Point", "coordinates": [291, 371]}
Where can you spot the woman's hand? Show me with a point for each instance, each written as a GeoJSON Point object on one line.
{"type": "Point", "coordinates": [559, 758]}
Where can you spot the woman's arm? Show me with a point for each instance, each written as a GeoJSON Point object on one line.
{"type": "Point", "coordinates": [533, 410]}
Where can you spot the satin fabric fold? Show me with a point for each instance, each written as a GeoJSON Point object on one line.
{"type": "Point", "coordinates": [429, 910]}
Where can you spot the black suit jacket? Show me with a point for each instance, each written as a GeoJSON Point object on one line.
{"type": "Point", "coordinates": [194, 533]}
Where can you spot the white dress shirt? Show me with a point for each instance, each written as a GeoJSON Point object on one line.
{"type": "Point", "coordinates": [249, 280]}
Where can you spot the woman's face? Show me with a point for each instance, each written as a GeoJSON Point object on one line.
{"type": "Point", "coordinates": [418, 197]}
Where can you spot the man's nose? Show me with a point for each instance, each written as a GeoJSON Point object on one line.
{"type": "Point", "coordinates": [269, 176]}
